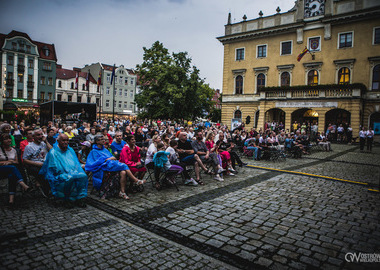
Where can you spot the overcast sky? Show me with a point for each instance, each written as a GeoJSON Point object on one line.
{"type": "Point", "coordinates": [115, 31]}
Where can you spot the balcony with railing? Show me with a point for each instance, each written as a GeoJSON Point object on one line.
{"type": "Point", "coordinates": [30, 84]}
{"type": "Point", "coordinates": [20, 68]}
{"type": "Point", "coordinates": [312, 92]}
{"type": "Point", "coordinates": [10, 82]}
{"type": "Point", "coordinates": [331, 91]}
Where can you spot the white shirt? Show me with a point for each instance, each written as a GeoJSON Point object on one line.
{"type": "Point", "coordinates": [150, 153]}
{"type": "Point", "coordinates": [370, 133]}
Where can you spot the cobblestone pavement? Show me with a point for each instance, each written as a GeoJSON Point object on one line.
{"type": "Point", "coordinates": [259, 219]}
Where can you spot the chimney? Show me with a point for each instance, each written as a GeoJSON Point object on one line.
{"type": "Point", "coordinates": [77, 69]}
{"type": "Point", "coordinates": [59, 66]}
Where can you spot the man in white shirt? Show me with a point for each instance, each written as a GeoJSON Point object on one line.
{"type": "Point", "coordinates": [369, 134]}
{"type": "Point", "coordinates": [362, 137]}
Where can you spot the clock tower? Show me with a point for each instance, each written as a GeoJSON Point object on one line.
{"type": "Point", "coordinates": [314, 8]}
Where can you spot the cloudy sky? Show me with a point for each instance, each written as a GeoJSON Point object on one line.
{"type": "Point", "coordinates": [115, 31]}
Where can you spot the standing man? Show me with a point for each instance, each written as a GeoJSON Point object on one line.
{"type": "Point", "coordinates": [362, 137]}
{"type": "Point", "coordinates": [369, 134]}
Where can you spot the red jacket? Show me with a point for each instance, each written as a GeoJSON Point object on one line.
{"type": "Point", "coordinates": [126, 155]}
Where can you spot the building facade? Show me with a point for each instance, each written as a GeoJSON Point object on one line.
{"type": "Point", "coordinates": [336, 81]}
{"type": "Point", "coordinates": [216, 99]}
{"type": "Point", "coordinates": [121, 93]}
{"type": "Point", "coordinates": [28, 70]}
{"type": "Point", "coordinates": [66, 86]}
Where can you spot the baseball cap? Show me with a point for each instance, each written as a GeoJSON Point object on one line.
{"type": "Point", "coordinates": [86, 143]}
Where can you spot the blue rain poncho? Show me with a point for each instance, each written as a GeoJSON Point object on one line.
{"type": "Point", "coordinates": [161, 160]}
{"type": "Point", "coordinates": [97, 163]}
{"type": "Point", "coordinates": [66, 177]}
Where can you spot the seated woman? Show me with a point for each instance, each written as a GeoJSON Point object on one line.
{"type": "Point", "coordinates": [162, 162]}
{"type": "Point", "coordinates": [223, 149]}
{"type": "Point", "coordinates": [8, 167]}
{"type": "Point", "coordinates": [69, 132]}
{"type": "Point", "coordinates": [100, 160]}
{"type": "Point", "coordinates": [107, 135]}
{"type": "Point", "coordinates": [83, 153]}
{"type": "Point", "coordinates": [130, 155]}
{"type": "Point", "coordinates": [152, 149]}
{"type": "Point", "coordinates": [6, 128]}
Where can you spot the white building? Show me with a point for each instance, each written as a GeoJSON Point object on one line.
{"type": "Point", "coordinates": [121, 92]}
{"type": "Point", "coordinates": [66, 88]}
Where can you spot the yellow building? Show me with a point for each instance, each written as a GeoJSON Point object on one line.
{"type": "Point", "coordinates": [336, 81]}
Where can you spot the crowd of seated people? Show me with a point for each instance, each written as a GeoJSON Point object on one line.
{"type": "Point", "coordinates": [129, 149]}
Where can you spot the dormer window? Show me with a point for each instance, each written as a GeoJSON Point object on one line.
{"type": "Point", "coordinates": [46, 51]}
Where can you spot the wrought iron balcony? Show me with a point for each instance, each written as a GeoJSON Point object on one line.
{"type": "Point", "coordinates": [10, 82]}
{"type": "Point", "coordinates": [312, 92]}
{"type": "Point", "coordinates": [30, 84]}
{"type": "Point", "coordinates": [331, 91]}
{"type": "Point", "coordinates": [20, 68]}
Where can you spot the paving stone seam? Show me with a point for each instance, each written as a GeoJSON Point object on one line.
{"type": "Point", "coordinates": [142, 218]}
{"type": "Point", "coordinates": [165, 239]}
{"type": "Point", "coordinates": [345, 162]}
{"type": "Point", "coordinates": [60, 234]}
{"type": "Point", "coordinates": [206, 249]}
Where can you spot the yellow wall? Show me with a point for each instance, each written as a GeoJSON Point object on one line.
{"type": "Point", "coordinates": [360, 73]}
{"type": "Point", "coordinates": [362, 49]}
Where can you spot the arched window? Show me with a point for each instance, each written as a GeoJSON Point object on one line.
{"type": "Point", "coordinates": [376, 78]}
{"type": "Point", "coordinates": [60, 84]}
{"type": "Point", "coordinates": [239, 85]}
{"type": "Point", "coordinates": [83, 86]}
{"type": "Point", "coordinates": [312, 77]}
{"type": "Point", "coordinates": [72, 85]}
{"type": "Point", "coordinates": [285, 79]}
{"type": "Point", "coordinates": [260, 81]}
{"type": "Point", "coordinates": [237, 114]}
{"type": "Point", "coordinates": [344, 76]}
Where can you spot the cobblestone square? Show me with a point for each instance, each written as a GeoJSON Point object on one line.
{"type": "Point", "coordinates": [272, 215]}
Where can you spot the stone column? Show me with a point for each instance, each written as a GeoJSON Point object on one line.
{"type": "Point", "coordinates": [3, 78]}
{"type": "Point", "coordinates": [25, 88]}
{"type": "Point", "coordinates": [35, 78]}
{"type": "Point", "coordinates": [15, 75]}
{"type": "Point", "coordinates": [288, 118]}
{"type": "Point", "coordinates": [355, 118]}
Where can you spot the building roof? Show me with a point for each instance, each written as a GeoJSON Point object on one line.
{"type": "Point", "coordinates": [109, 68]}
{"type": "Point", "coordinates": [65, 74]}
{"type": "Point", "coordinates": [41, 46]}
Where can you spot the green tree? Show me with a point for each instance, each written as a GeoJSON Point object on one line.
{"type": "Point", "coordinates": [171, 87]}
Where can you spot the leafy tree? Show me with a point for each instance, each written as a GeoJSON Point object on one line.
{"type": "Point", "coordinates": [216, 115]}
{"type": "Point", "coordinates": [171, 87]}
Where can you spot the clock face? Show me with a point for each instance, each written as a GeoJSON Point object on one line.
{"type": "Point", "coordinates": [314, 8]}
